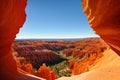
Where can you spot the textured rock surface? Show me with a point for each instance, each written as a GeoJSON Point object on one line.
{"type": "Point", "coordinates": [104, 18]}
{"type": "Point", "coordinates": [12, 17]}
{"type": "Point", "coordinates": [106, 68]}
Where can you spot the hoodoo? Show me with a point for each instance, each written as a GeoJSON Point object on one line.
{"type": "Point", "coordinates": [103, 17]}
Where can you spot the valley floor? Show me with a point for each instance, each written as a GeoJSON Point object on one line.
{"type": "Point", "coordinates": [106, 68]}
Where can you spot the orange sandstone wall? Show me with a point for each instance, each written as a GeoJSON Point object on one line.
{"type": "Point", "coordinates": [104, 18]}
{"type": "Point", "coordinates": [12, 17]}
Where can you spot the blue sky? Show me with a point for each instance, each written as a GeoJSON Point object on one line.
{"type": "Point", "coordinates": [55, 19]}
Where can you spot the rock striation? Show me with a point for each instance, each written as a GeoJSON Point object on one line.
{"type": "Point", "coordinates": [104, 69]}
{"type": "Point", "coordinates": [12, 17]}
{"type": "Point", "coordinates": [104, 18]}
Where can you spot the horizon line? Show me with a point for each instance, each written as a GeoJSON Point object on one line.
{"type": "Point", "coordinates": [59, 38]}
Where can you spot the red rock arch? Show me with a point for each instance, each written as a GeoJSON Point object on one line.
{"type": "Point", "coordinates": [12, 18]}
{"type": "Point", "coordinates": [103, 16]}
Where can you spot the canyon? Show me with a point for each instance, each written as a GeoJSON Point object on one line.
{"type": "Point", "coordinates": [65, 57]}
{"type": "Point", "coordinates": [104, 19]}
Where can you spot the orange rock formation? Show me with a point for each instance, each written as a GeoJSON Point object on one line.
{"type": "Point", "coordinates": [103, 16]}
{"type": "Point", "coordinates": [12, 17]}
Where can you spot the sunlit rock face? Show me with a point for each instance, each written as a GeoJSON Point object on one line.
{"type": "Point", "coordinates": [12, 17]}
{"type": "Point", "coordinates": [104, 18]}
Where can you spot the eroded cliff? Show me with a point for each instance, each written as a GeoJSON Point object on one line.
{"type": "Point", "coordinates": [103, 16]}
{"type": "Point", "coordinates": [104, 19]}
{"type": "Point", "coordinates": [12, 17]}
{"type": "Point", "coordinates": [106, 68]}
